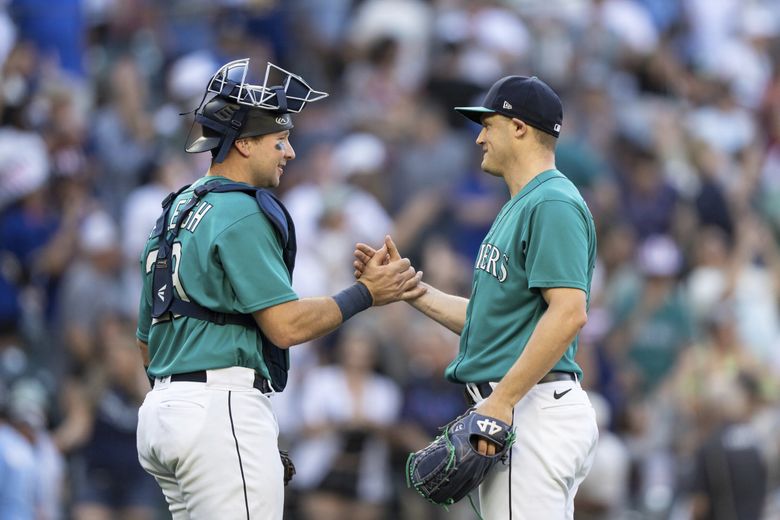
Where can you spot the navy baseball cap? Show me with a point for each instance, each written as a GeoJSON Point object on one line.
{"type": "Point", "coordinates": [528, 99]}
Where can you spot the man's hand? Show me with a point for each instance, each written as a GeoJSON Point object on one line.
{"type": "Point", "coordinates": [496, 409]}
{"type": "Point", "coordinates": [389, 277]}
{"type": "Point", "coordinates": [387, 254]}
{"type": "Point", "coordinates": [363, 254]}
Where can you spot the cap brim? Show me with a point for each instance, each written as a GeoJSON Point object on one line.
{"type": "Point", "coordinates": [202, 144]}
{"type": "Point", "coordinates": [474, 113]}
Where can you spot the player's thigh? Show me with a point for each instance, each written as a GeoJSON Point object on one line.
{"type": "Point", "coordinates": [550, 457]}
{"type": "Point", "coordinates": [234, 470]}
{"type": "Point", "coordinates": [177, 506]}
{"type": "Point", "coordinates": [169, 424]}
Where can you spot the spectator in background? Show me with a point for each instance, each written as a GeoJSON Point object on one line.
{"type": "Point", "coordinates": [652, 324]}
{"type": "Point", "coordinates": [17, 473]}
{"type": "Point", "coordinates": [337, 210]}
{"type": "Point", "coordinates": [90, 288]}
{"type": "Point", "coordinates": [28, 409]}
{"type": "Point", "coordinates": [405, 23]}
{"type": "Point", "coordinates": [650, 203]}
{"type": "Point", "coordinates": [712, 203]}
{"type": "Point", "coordinates": [433, 158]}
{"type": "Point", "coordinates": [429, 402]}
{"type": "Point", "coordinates": [109, 482]}
{"type": "Point", "coordinates": [603, 495]}
{"type": "Point", "coordinates": [123, 134]}
{"type": "Point", "coordinates": [746, 273]}
{"type": "Point", "coordinates": [377, 99]}
{"type": "Point", "coordinates": [730, 475]}
{"type": "Point", "coordinates": [343, 458]}
{"type": "Point", "coordinates": [617, 244]}
{"type": "Point", "coordinates": [719, 359]}
{"type": "Point", "coordinates": [474, 203]}
{"type": "Point", "coordinates": [31, 468]}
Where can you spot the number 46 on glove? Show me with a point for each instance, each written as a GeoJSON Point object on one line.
{"type": "Point", "coordinates": [450, 467]}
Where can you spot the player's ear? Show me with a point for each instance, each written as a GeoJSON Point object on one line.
{"type": "Point", "coordinates": [243, 146]}
{"type": "Point", "coordinates": [520, 128]}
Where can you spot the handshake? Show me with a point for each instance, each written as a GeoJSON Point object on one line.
{"type": "Point", "coordinates": [388, 277]}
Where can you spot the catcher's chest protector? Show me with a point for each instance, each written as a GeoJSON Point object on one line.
{"type": "Point", "coordinates": [164, 299]}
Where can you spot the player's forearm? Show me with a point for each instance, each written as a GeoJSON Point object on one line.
{"type": "Point", "coordinates": [144, 348]}
{"type": "Point", "coordinates": [446, 309]}
{"type": "Point", "coordinates": [555, 331]}
{"type": "Point", "coordinates": [298, 321]}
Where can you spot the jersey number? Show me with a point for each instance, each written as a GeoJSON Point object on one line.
{"type": "Point", "coordinates": [176, 258]}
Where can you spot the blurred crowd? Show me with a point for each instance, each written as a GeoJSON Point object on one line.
{"type": "Point", "coordinates": [671, 131]}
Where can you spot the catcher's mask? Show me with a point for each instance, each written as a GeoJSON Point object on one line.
{"type": "Point", "coordinates": [240, 109]}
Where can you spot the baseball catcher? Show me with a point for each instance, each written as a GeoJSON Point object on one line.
{"type": "Point", "coordinates": [450, 467]}
{"type": "Point", "coordinates": [218, 350]}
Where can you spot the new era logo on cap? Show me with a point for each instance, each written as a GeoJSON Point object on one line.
{"type": "Point", "coordinates": [527, 98]}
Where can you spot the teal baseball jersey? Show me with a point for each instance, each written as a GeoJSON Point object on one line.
{"type": "Point", "coordinates": [543, 237]}
{"type": "Point", "coordinates": [227, 258]}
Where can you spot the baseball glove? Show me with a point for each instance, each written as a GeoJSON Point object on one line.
{"type": "Point", "coordinates": [450, 467]}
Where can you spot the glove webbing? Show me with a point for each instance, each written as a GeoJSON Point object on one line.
{"type": "Point", "coordinates": [510, 440]}
{"type": "Point", "coordinates": [451, 460]}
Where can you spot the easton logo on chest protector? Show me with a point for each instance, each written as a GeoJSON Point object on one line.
{"type": "Point", "coordinates": [161, 292]}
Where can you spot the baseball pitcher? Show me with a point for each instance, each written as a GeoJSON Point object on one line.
{"type": "Point", "coordinates": [518, 331]}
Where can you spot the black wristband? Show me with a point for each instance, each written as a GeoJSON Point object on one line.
{"type": "Point", "coordinates": [353, 299]}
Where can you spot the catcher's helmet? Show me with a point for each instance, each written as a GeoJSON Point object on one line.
{"type": "Point", "coordinates": [240, 109]}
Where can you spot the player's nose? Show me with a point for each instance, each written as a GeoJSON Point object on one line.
{"type": "Point", "coordinates": [481, 137]}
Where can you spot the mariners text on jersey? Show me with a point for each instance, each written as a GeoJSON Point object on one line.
{"type": "Point", "coordinates": [487, 260]}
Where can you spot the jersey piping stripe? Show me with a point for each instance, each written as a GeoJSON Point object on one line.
{"type": "Point", "coordinates": [464, 333]}
{"type": "Point", "coordinates": [238, 452]}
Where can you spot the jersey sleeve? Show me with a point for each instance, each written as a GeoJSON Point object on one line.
{"type": "Point", "coordinates": [144, 304]}
{"type": "Point", "coordinates": [251, 255]}
{"type": "Point", "coordinates": [557, 249]}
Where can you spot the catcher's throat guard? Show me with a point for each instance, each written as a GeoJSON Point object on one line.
{"type": "Point", "coordinates": [450, 467]}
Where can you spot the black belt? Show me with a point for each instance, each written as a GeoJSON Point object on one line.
{"type": "Point", "coordinates": [200, 376]}
{"type": "Point", "coordinates": [485, 389]}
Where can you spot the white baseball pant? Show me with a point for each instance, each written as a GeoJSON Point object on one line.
{"type": "Point", "coordinates": [213, 447]}
{"type": "Point", "coordinates": [554, 450]}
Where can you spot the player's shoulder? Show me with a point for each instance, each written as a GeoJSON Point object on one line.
{"type": "Point", "coordinates": [558, 188]}
{"type": "Point", "coordinates": [233, 205]}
